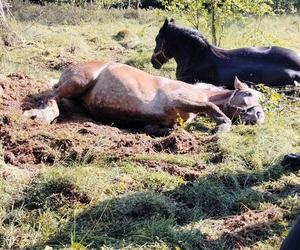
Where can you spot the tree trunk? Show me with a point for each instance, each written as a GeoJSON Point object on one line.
{"type": "Point", "coordinates": [2, 13]}
{"type": "Point", "coordinates": [213, 23]}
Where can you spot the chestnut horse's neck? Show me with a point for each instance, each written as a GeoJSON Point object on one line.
{"type": "Point", "coordinates": [222, 97]}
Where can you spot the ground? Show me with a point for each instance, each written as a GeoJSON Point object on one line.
{"type": "Point", "coordinates": [80, 184]}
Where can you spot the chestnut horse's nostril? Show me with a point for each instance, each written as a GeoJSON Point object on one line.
{"type": "Point", "coordinates": [258, 114]}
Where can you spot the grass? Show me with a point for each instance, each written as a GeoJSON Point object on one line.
{"type": "Point", "coordinates": [111, 200]}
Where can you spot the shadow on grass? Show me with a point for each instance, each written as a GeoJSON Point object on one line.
{"type": "Point", "coordinates": [146, 218]}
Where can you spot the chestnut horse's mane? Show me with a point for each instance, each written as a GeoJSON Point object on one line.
{"type": "Point", "coordinates": [208, 86]}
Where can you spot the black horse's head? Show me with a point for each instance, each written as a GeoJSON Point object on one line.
{"type": "Point", "coordinates": [162, 52]}
{"type": "Point", "coordinates": [178, 42]}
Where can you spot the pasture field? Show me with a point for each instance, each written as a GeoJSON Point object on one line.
{"type": "Point", "coordinates": [79, 184]}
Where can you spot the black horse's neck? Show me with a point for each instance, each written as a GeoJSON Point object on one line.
{"type": "Point", "coordinates": [191, 52]}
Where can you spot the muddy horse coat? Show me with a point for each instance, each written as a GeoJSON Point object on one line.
{"type": "Point", "coordinates": [198, 60]}
{"type": "Point", "coordinates": [121, 92]}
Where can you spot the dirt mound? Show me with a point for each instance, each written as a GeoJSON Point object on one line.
{"type": "Point", "coordinates": [15, 152]}
{"type": "Point", "coordinates": [16, 87]}
{"type": "Point", "coordinates": [251, 225]}
{"type": "Point", "coordinates": [186, 173]}
{"type": "Point", "coordinates": [19, 152]}
{"type": "Point", "coordinates": [127, 39]}
{"type": "Point", "coordinates": [179, 142]}
{"type": "Point", "coordinates": [60, 62]}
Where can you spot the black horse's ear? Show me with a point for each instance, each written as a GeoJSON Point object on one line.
{"type": "Point", "coordinates": [172, 21]}
{"type": "Point", "coordinates": [166, 23]}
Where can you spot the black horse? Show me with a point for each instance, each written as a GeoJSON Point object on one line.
{"type": "Point", "coordinates": [198, 60]}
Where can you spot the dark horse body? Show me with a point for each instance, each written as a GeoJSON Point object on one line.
{"type": "Point", "coordinates": [198, 60]}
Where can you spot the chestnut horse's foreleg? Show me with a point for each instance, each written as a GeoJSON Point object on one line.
{"type": "Point", "coordinates": [209, 108]}
{"type": "Point", "coordinates": [73, 86]}
{"type": "Point", "coordinates": [68, 87]}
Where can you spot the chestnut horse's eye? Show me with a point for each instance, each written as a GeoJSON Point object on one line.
{"type": "Point", "coordinates": [243, 111]}
{"type": "Point", "coordinates": [248, 94]}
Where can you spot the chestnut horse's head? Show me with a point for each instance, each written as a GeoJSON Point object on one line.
{"type": "Point", "coordinates": [162, 51]}
{"type": "Point", "coordinates": [244, 104]}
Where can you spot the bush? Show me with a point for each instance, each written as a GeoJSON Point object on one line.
{"type": "Point", "coordinates": [104, 3]}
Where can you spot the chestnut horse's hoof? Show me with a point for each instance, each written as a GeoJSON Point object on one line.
{"type": "Point", "coordinates": [46, 113]}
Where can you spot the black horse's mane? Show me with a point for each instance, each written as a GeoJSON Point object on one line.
{"type": "Point", "coordinates": [191, 33]}
{"type": "Point", "coordinates": [195, 36]}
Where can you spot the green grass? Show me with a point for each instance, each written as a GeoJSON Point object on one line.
{"type": "Point", "coordinates": [114, 202]}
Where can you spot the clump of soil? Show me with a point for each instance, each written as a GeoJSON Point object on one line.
{"type": "Point", "coordinates": [124, 34]}
{"type": "Point", "coordinates": [16, 87]}
{"type": "Point", "coordinates": [127, 39]}
{"type": "Point", "coordinates": [180, 142]}
{"type": "Point", "coordinates": [251, 225]}
{"type": "Point", "coordinates": [15, 152]}
{"type": "Point", "coordinates": [186, 173]}
{"type": "Point", "coordinates": [60, 63]}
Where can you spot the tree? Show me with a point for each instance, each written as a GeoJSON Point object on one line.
{"type": "Point", "coordinates": [2, 12]}
{"type": "Point", "coordinates": [286, 6]}
{"type": "Point", "coordinates": [215, 13]}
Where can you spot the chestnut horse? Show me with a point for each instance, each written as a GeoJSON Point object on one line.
{"type": "Point", "coordinates": [198, 60]}
{"type": "Point", "coordinates": [120, 92]}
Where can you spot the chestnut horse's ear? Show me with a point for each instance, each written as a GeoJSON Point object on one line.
{"type": "Point", "coordinates": [239, 85]}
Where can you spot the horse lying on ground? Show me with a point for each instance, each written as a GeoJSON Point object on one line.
{"type": "Point", "coordinates": [198, 60]}
{"type": "Point", "coordinates": [120, 92]}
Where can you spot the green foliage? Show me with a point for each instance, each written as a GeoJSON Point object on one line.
{"type": "Point", "coordinates": [214, 14]}
{"type": "Point", "coordinates": [273, 100]}
{"type": "Point", "coordinates": [286, 6]}
{"type": "Point", "coordinates": [101, 3]}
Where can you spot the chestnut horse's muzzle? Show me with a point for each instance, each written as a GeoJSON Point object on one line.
{"type": "Point", "coordinates": [252, 115]}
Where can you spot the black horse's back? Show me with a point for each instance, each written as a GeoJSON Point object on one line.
{"type": "Point", "coordinates": [198, 60]}
{"type": "Point", "coordinates": [273, 55]}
